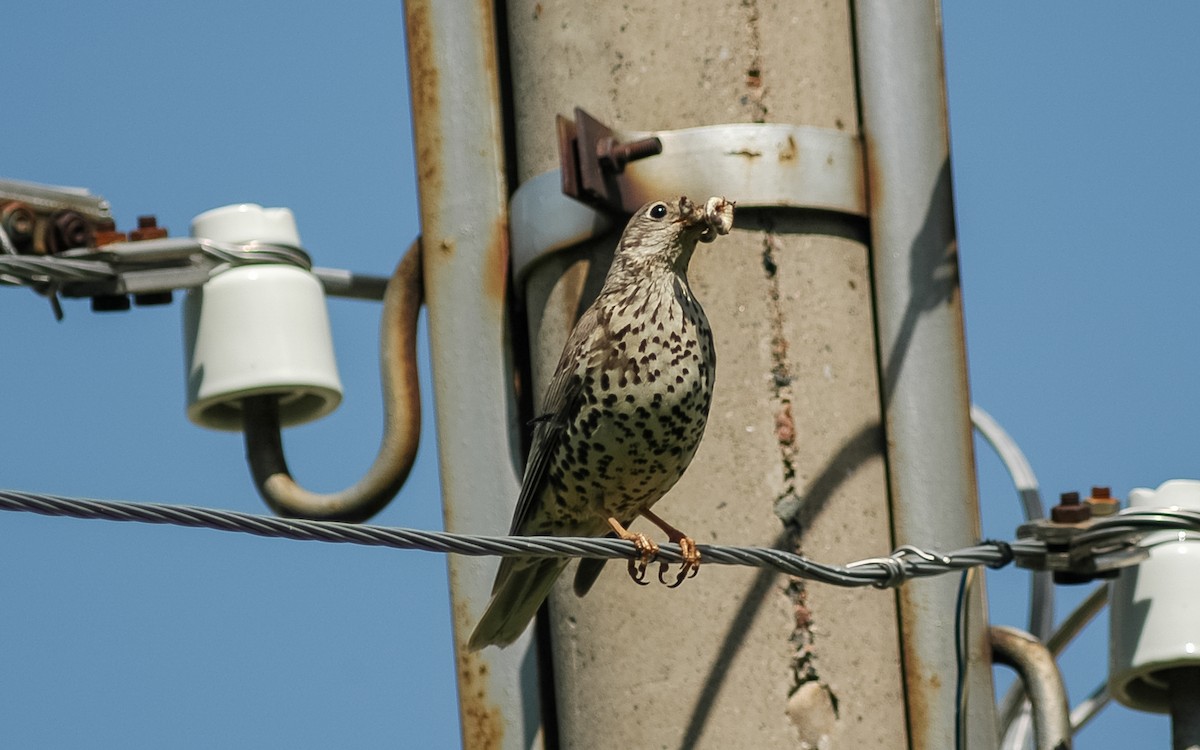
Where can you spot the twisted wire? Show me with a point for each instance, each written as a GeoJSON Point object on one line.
{"type": "Point", "coordinates": [254, 252]}
{"type": "Point", "coordinates": [906, 563]}
{"type": "Point", "coordinates": [38, 269]}
{"type": "Point", "coordinates": [32, 270]}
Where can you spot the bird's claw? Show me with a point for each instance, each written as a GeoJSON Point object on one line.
{"type": "Point", "coordinates": [647, 550]}
{"type": "Point", "coordinates": [691, 563]}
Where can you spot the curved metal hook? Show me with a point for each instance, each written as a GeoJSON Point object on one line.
{"type": "Point", "coordinates": [402, 419]}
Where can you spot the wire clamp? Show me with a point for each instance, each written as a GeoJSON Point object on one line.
{"type": "Point", "coordinates": [1078, 552]}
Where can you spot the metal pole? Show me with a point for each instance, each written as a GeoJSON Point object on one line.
{"type": "Point", "coordinates": [919, 318]}
{"type": "Point", "coordinates": [1074, 623]}
{"type": "Point", "coordinates": [792, 455]}
{"type": "Point", "coordinates": [1043, 682]}
{"type": "Point", "coordinates": [460, 167]}
{"type": "Point", "coordinates": [1185, 708]}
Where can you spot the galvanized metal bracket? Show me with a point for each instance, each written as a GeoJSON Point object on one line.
{"type": "Point", "coordinates": [758, 165]}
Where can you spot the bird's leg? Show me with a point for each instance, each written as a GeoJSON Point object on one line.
{"type": "Point", "coordinates": [646, 548]}
{"type": "Point", "coordinates": [687, 549]}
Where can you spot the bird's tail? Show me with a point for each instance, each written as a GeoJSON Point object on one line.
{"type": "Point", "coordinates": [521, 587]}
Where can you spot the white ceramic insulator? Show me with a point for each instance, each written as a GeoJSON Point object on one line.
{"type": "Point", "coordinates": [1155, 606]}
{"type": "Point", "coordinates": [257, 329]}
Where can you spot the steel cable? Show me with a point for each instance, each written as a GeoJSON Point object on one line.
{"type": "Point", "coordinates": [905, 563]}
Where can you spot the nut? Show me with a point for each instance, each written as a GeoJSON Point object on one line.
{"type": "Point", "coordinates": [1102, 502]}
{"type": "Point", "coordinates": [1070, 510]}
{"type": "Point", "coordinates": [67, 230]}
{"type": "Point", "coordinates": [147, 229]}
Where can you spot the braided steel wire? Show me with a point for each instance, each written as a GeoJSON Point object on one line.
{"type": "Point", "coordinates": [31, 270]}
{"type": "Point", "coordinates": [28, 270]}
{"type": "Point", "coordinates": [907, 562]}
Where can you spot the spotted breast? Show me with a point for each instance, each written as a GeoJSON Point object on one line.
{"type": "Point", "coordinates": [624, 412]}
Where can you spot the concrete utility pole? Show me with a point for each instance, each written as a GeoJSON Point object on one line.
{"type": "Point", "coordinates": [794, 454]}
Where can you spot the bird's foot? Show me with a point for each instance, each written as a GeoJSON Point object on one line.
{"type": "Point", "coordinates": [647, 551]}
{"type": "Point", "coordinates": [687, 550]}
{"type": "Point", "coordinates": [691, 561]}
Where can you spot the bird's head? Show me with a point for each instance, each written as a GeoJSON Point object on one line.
{"type": "Point", "coordinates": [667, 231]}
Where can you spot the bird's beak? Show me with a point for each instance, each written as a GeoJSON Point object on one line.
{"type": "Point", "coordinates": [714, 219]}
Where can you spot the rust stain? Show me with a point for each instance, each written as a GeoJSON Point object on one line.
{"type": "Point", "coordinates": [495, 266]}
{"type": "Point", "coordinates": [920, 689]}
{"type": "Point", "coordinates": [873, 184]}
{"type": "Point", "coordinates": [790, 151]}
{"type": "Point", "coordinates": [485, 12]}
{"type": "Point", "coordinates": [426, 98]}
{"type": "Point", "coordinates": [482, 720]}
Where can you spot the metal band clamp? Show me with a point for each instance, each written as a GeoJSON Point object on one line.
{"type": "Point", "coordinates": [759, 165]}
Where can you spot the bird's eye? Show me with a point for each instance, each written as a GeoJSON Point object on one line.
{"type": "Point", "coordinates": [658, 210]}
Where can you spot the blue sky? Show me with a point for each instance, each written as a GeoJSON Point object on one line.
{"type": "Point", "coordinates": [1075, 181]}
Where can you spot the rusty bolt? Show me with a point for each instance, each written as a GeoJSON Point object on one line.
{"type": "Point", "coordinates": [18, 221]}
{"type": "Point", "coordinates": [1102, 502]}
{"type": "Point", "coordinates": [614, 156]}
{"type": "Point", "coordinates": [1069, 509]}
{"type": "Point", "coordinates": [147, 229]}
{"type": "Point", "coordinates": [67, 230]}
{"type": "Point", "coordinates": [106, 234]}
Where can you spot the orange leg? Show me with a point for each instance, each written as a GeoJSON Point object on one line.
{"type": "Point", "coordinates": [687, 547]}
{"type": "Point", "coordinates": [646, 548]}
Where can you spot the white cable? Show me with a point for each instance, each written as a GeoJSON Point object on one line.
{"type": "Point", "coordinates": [1089, 707]}
{"type": "Point", "coordinates": [1041, 598]}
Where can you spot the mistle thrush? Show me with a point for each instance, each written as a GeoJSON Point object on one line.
{"type": "Point", "coordinates": [623, 415]}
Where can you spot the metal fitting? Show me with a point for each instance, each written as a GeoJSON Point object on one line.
{"type": "Point", "coordinates": [67, 230]}
{"type": "Point", "coordinates": [1102, 502]}
{"type": "Point", "coordinates": [1069, 509]}
{"type": "Point", "coordinates": [614, 155]}
{"type": "Point", "coordinates": [18, 221]}
{"type": "Point", "coordinates": [106, 234]}
{"type": "Point", "coordinates": [105, 303]}
{"type": "Point", "coordinates": [147, 229]}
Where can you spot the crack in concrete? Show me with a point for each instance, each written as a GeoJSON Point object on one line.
{"type": "Point", "coordinates": [788, 502]}
{"type": "Point", "coordinates": [755, 89]}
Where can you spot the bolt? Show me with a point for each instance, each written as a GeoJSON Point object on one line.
{"type": "Point", "coordinates": [147, 229]}
{"type": "Point", "coordinates": [67, 230]}
{"type": "Point", "coordinates": [1069, 509]}
{"type": "Point", "coordinates": [102, 303]}
{"type": "Point", "coordinates": [614, 156]}
{"type": "Point", "coordinates": [18, 221]}
{"type": "Point", "coordinates": [107, 234]}
{"type": "Point", "coordinates": [147, 299]}
{"type": "Point", "coordinates": [1102, 502]}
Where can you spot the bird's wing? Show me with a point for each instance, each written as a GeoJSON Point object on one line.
{"type": "Point", "coordinates": [558, 407]}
